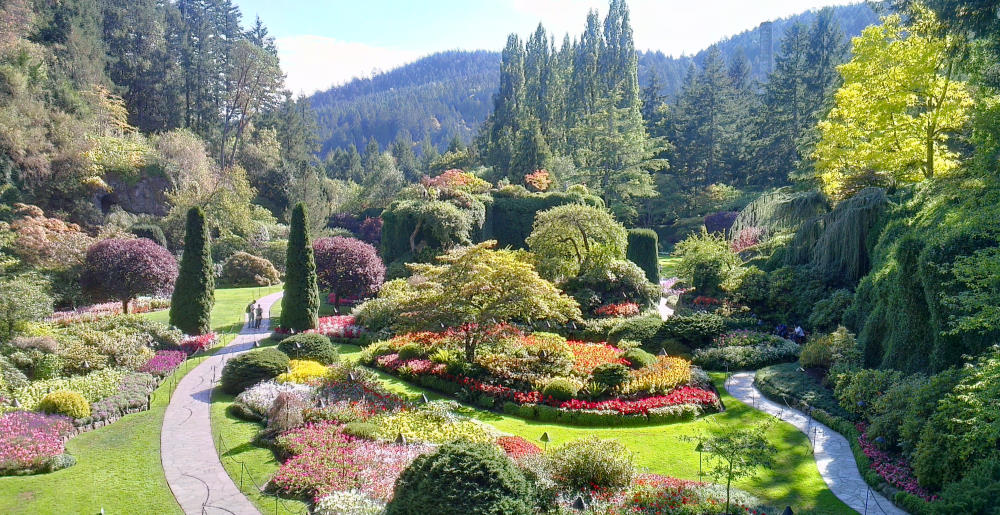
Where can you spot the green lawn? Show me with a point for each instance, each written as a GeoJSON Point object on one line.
{"type": "Point", "coordinates": [325, 309]}
{"type": "Point", "coordinates": [668, 266]}
{"type": "Point", "coordinates": [794, 480]}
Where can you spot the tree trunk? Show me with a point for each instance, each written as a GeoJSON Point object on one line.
{"type": "Point", "coordinates": [336, 303]}
{"type": "Point", "coordinates": [413, 236]}
{"type": "Point", "coordinates": [929, 165]}
{"type": "Point", "coordinates": [125, 306]}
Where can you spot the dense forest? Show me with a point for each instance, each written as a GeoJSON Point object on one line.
{"type": "Point", "coordinates": [448, 94]}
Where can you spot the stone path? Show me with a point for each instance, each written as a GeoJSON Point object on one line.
{"type": "Point", "coordinates": [195, 475]}
{"type": "Point", "coordinates": [833, 454]}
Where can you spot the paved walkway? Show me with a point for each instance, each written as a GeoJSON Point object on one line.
{"type": "Point", "coordinates": [833, 454]}
{"type": "Point", "coordinates": [195, 475]}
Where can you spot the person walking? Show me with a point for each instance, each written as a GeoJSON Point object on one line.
{"type": "Point", "coordinates": [260, 315]}
{"type": "Point", "coordinates": [250, 313]}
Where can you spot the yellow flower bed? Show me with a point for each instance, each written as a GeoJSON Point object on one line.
{"type": "Point", "coordinates": [303, 371]}
{"type": "Point", "coordinates": [420, 426]}
{"type": "Point", "coordinates": [659, 378]}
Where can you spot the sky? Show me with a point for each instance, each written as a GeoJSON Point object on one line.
{"type": "Point", "coordinates": [323, 43]}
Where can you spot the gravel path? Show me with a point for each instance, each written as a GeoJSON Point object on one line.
{"type": "Point", "coordinates": [833, 454]}
{"type": "Point", "coordinates": [195, 475]}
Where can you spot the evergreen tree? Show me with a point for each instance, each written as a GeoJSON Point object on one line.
{"type": "Point", "coordinates": [194, 292]}
{"type": "Point", "coordinates": [300, 303]}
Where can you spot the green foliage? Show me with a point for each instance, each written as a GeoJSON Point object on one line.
{"type": "Point", "coordinates": [786, 383]}
{"type": "Point", "coordinates": [738, 454]}
{"type": "Point", "coordinates": [780, 210]}
{"type": "Point", "coordinates": [588, 463]}
{"type": "Point", "coordinates": [243, 269]}
{"type": "Point", "coordinates": [248, 369]}
{"type": "Point", "coordinates": [462, 478]}
{"type": "Point", "coordinates": [560, 389]}
{"type": "Point", "coordinates": [365, 430]}
{"type": "Point", "coordinates": [706, 261]}
{"type": "Point", "coordinates": [975, 493]}
{"type": "Point", "coordinates": [601, 282]}
{"type": "Point", "coordinates": [194, 292]}
{"type": "Point", "coordinates": [694, 330]}
{"type": "Point", "coordinates": [639, 358]}
{"type": "Point", "coordinates": [890, 124]}
{"type": "Point", "coordinates": [858, 392]}
{"type": "Point", "coordinates": [65, 402]}
{"type": "Point", "coordinates": [510, 217]}
{"type": "Point", "coordinates": [611, 375]}
{"type": "Point", "coordinates": [300, 303]}
{"type": "Point", "coordinates": [411, 351]}
{"type": "Point", "coordinates": [23, 299]}
{"type": "Point", "coordinates": [964, 425]}
{"type": "Point", "coordinates": [150, 231]}
{"type": "Point", "coordinates": [792, 291]}
{"type": "Point", "coordinates": [565, 237]}
{"type": "Point", "coordinates": [310, 346]}
{"type": "Point", "coordinates": [829, 312]}
{"type": "Point", "coordinates": [823, 350]}
{"type": "Point", "coordinates": [891, 410]}
{"type": "Point", "coordinates": [746, 357]}
{"type": "Point", "coordinates": [380, 313]}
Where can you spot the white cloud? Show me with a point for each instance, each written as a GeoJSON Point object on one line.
{"type": "Point", "coordinates": [314, 63]}
{"type": "Point", "coordinates": [674, 27]}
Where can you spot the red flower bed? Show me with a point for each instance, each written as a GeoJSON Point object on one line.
{"type": "Point", "coordinates": [622, 309]}
{"type": "Point", "coordinates": [893, 469]}
{"type": "Point", "coordinates": [193, 344]}
{"type": "Point", "coordinates": [516, 446]}
{"type": "Point", "coordinates": [704, 302]}
{"type": "Point", "coordinates": [589, 356]}
{"type": "Point", "coordinates": [683, 395]}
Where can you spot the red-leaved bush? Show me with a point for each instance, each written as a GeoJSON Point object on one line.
{"type": "Point", "coordinates": [121, 269]}
{"type": "Point", "coordinates": [348, 267]}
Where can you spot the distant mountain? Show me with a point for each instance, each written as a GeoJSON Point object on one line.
{"type": "Point", "coordinates": [449, 94]}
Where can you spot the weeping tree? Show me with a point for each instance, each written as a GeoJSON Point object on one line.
{"type": "Point", "coordinates": [842, 250]}
{"type": "Point", "coordinates": [779, 210]}
{"type": "Point", "coordinates": [300, 303]}
{"type": "Point", "coordinates": [194, 293]}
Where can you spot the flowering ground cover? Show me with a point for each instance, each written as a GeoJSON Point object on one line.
{"type": "Point", "coordinates": [199, 343]}
{"type": "Point", "coordinates": [893, 468]}
{"type": "Point", "coordinates": [28, 440]}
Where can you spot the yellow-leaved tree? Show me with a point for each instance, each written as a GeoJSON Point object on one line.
{"type": "Point", "coordinates": [899, 104]}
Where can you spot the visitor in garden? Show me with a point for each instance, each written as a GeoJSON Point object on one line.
{"type": "Point", "coordinates": [781, 330]}
{"type": "Point", "coordinates": [250, 312]}
{"type": "Point", "coordinates": [260, 314]}
{"type": "Point", "coordinates": [800, 335]}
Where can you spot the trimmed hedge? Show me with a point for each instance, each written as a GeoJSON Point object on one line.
{"type": "Point", "coordinates": [694, 330]}
{"type": "Point", "coordinates": [643, 250]}
{"type": "Point", "coordinates": [510, 217]}
{"type": "Point", "coordinates": [244, 269]}
{"type": "Point", "coordinates": [248, 369]}
{"type": "Point", "coordinates": [310, 346]}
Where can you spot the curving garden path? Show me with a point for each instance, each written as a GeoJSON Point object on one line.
{"type": "Point", "coordinates": [195, 475]}
{"type": "Point", "coordinates": [833, 454]}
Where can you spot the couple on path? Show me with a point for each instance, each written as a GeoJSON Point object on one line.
{"type": "Point", "coordinates": [254, 321]}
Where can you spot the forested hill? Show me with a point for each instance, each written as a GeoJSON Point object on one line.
{"type": "Point", "coordinates": [449, 94]}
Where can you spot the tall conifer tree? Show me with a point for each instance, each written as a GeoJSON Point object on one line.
{"type": "Point", "coordinates": [300, 304]}
{"type": "Point", "coordinates": [194, 292]}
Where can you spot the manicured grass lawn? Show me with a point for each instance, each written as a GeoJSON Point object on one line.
{"type": "Point", "coordinates": [794, 480]}
{"type": "Point", "coordinates": [118, 469]}
{"type": "Point", "coordinates": [229, 312]}
{"type": "Point", "coordinates": [325, 309]}
{"type": "Point", "coordinates": [668, 265]}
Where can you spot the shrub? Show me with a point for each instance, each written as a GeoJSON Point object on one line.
{"type": "Point", "coordinates": [746, 357]}
{"type": "Point", "coordinates": [976, 493]}
{"type": "Point", "coordinates": [639, 358]}
{"type": "Point", "coordinates": [248, 369]}
{"type": "Point", "coordinates": [642, 329]}
{"type": "Point", "coordinates": [611, 375]}
{"type": "Point", "coordinates": [365, 430]}
{"type": "Point", "coordinates": [643, 250]}
{"type": "Point", "coordinates": [603, 281]}
{"type": "Point", "coordinates": [11, 376]}
{"type": "Point", "coordinates": [286, 412]}
{"type": "Point", "coordinates": [561, 389]}
{"type": "Point", "coordinates": [310, 346]}
{"type": "Point", "coordinates": [829, 312]}
{"type": "Point", "coordinates": [93, 387]}
{"type": "Point", "coordinates": [705, 261]}
{"type": "Point", "coordinates": [410, 351]}
{"type": "Point", "coordinates": [65, 402]}
{"type": "Point", "coordinates": [694, 330]}
{"type": "Point", "coordinates": [150, 232]}
{"type": "Point", "coordinates": [300, 304]}
{"type": "Point", "coordinates": [348, 267]}
{"type": "Point", "coordinates": [256, 401]}
{"type": "Point", "coordinates": [304, 372]}
{"type": "Point", "coordinates": [591, 463]}
{"type": "Point", "coordinates": [462, 478]}
{"type": "Point", "coordinates": [242, 269]}
{"type": "Point", "coordinates": [118, 269]}
{"type": "Point", "coordinates": [194, 293]}
{"type": "Point", "coordinates": [274, 251]}
{"type": "Point", "coordinates": [858, 392]}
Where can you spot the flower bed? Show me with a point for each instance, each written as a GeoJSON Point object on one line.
{"type": "Point", "coordinates": [94, 387]}
{"type": "Point", "coordinates": [622, 309]}
{"type": "Point", "coordinates": [337, 326]}
{"type": "Point", "coordinates": [97, 311]}
{"type": "Point", "coordinates": [656, 494]}
{"type": "Point", "coordinates": [588, 356]}
{"type": "Point", "coordinates": [194, 344]}
{"type": "Point", "coordinates": [518, 447]}
{"type": "Point", "coordinates": [893, 469]}
{"type": "Point", "coordinates": [164, 362]}
{"type": "Point", "coordinates": [28, 441]}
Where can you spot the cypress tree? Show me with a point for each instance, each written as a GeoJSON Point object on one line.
{"type": "Point", "coordinates": [643, 250]}
{"type": "Point", "coordinates": [300, 304]}
{"type": "Point", "coordinates": [194, 292]}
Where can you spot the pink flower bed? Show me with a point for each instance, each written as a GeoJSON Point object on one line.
{"type": "Point", "coordinates": [324, 460]}
{"type": "Point", "coordinates": [683, 395]}
{"type": "Point", "coordinates": [338, 326]}
{"type": "Point", "coordinates": [28, 439]}
{"type": "Point", "coordinates": [164, 362]}
{"type": "Point", "coordinates": [97, 311]}
{"type": "Point", "coordinates": [518, 447]}
{"type": "Point", "coordinates": [193, 344]}
{"type": "Point", "coordinates": [893, 469]}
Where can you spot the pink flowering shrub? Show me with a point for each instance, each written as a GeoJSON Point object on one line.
{"type": "Point", "coordinates": [97, 311]}
{"type": "Point", "coordinates": [324, 460]}
{"type": "Point", "coordinates": [28, 440]}
{"type": "Point", "coordinates": [337, 326]}
{"type": "Point", "coordinates": [893, 469]}
{"type": "Point", "coordinates": [747, 238]}
{"type": "Point", "coordinates": [164, 362]}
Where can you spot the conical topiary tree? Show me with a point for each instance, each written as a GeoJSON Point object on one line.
{"type": "Point", "coordinates": [300, 304]}
{"type": "Point", "coordinates": [194, 292]}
